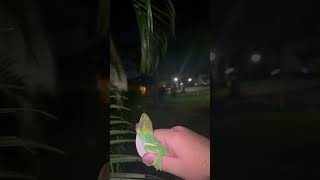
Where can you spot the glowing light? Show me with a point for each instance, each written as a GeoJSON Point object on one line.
{"type": "Point", "coordinates": [175, 79]}
{"type": "Point", "coordinates": [212, 56]}
{"type": "Point", "coordinates": [143, 90]}
{"type": "Point", "coordinates": [189, 79]}
{"type": "Point", "coordinates": [181, 84]}
{"type": "Point", "coordinates": [275, 72]}
{"type": "Point", "coordinates": [229, 70]}
{"type": "Point", "coordinates": [255, 58]}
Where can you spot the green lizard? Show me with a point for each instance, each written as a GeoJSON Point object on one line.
{"type": "Point", "coordinates": [150, 143]}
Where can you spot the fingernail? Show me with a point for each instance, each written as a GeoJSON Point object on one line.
{"type": "Point", "coordinates": [148, 158]}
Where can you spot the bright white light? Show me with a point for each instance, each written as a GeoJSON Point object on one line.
{"type": "Point", "coordinates": [181, 84]}
{"type": "Point", "coordinates": [175, 79]}
{"type": "Point", "coordinates": [275, 72]}
{"type": "Point", "coordinates": [229, 70]}
{"type": "Point", "coordinates": [212, 56]}
{"type": "Point", "coordinates": [255, 58]}
{"type": "Point", "coordinates": [189, 79]}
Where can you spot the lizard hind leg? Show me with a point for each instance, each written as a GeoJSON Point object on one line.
{"type": "Point", "coordinates": [157, 163]}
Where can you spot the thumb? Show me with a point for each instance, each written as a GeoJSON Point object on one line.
{"type": "Point", "coordinates": [169, 164]}
{"type": "Point", "coordinates": [149, 158]}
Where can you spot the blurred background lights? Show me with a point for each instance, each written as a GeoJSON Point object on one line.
{"type": "Point", "coordinates": [256, 58]}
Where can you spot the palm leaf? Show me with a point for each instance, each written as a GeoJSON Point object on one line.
{"type": "Point", "coordinates": [118, 96]}
{"type": "Point", "coordinates": [118, 132]}
{"type": "Point", "coordinates": [118, 107]}
{"type": "Point", "coordinates": [14, 110]}
{"type": "Point", "coordinates": [133, 176]}
{"type": "Point", "coordinates": [13, 141]}
{"type": "Point", "coordinates": [121, 122]}
{"type": "Point", "coordinates": [14, 175]}
{"type": "Point", "coordinates": [11, 83]}
{"type": "Point", "coordinates": [121, 141]}
{"type": "Point", "coordinates": [152, 36]}
{"type": "Point", "coordinates": [116, 117]}
{"type": "Point", "coordinates": [124, 159]}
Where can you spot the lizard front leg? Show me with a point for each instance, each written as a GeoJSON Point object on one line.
{"type": "Point", "coordinates": [155, 149]}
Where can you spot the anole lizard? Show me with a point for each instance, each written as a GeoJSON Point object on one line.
{"type": "Point", "coordinates": [144, 131]}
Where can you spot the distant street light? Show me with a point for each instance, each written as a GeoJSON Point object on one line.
{"type": "Point", "coordinates": [256, 58]}
{"type": "Point", "coordinates": [275, 72]}
{"type": "Point", "coordinates": [175, 79]}
{"type": "Point", "coordinates": [189, 79]}
{"type": "Point", "coordinates": [229, 70]}
{"type": "Point", "coordinates": [212, 56]}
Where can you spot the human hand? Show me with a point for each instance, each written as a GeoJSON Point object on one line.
{"type": "Point", "coordinates": [189, 153]}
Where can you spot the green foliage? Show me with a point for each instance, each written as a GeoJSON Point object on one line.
{"type": "Point", "coordinates": [11, 83]}
{"type": "Point", "coordinates": [122, 135]}
{"type": "Point", "coordinates": [14, 175]}
{"type": "Point", "coordinates": [13, 88]}
{"type": "Point", "coordinates": [31, 146]}
{"type": "Point", "coordinates": [155, 19]}
{"type": "Point", "coordinates": [132, 176]}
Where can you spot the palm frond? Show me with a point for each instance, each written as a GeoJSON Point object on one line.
{"type": "Point", "coordinates": [132, 176]}
{"type": "Point", "coordinates": [118, 107]}
{"type": "Point", "coordinates": [11, 83]}
{"type": "Point", "coordinates": [154, 20]}
{"type": "Point", "coordinates": [121, 141]}
{"type": "Point", "coordinates": [121, 122]}
{"type": "Point", "coordinates": [118, 132]}
{"type": "Point", "coordinates": [124, 159]}
{"type": "Point", "coordinates": [14, 110]}
{"type": "Point", "coordinates": [13, 141]}
{"type": "Point", "coordinates": [15, 175]}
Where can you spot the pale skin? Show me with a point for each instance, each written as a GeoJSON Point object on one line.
{"type": "Point", "coordinates": [189, 153]}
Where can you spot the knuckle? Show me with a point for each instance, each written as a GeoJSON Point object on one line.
{"type": "Point", "coordinates": [179, 128]}
{"type": "Point", "coordinates": [179, 132]}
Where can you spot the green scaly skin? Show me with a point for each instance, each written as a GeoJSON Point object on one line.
{"type": "Point", "coordinates": [144, 130]}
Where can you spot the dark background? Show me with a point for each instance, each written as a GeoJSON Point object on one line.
{"type": "Point", "coordinates": [80, 55]}
{"type": "Point", "coordinates": [191, 37]}
{"type": "Point", "coordinates": [252, 137]}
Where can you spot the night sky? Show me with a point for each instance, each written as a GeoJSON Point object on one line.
{"type": "Point", "coordinates": [233, 25]}
{"type": "Point", "coordinates": [264, 23]}
{"type": "Point", "coordinates": [192, 27]}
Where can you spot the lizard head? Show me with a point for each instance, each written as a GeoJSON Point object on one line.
{"type": "Point", "coordinates": [144, 125]}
